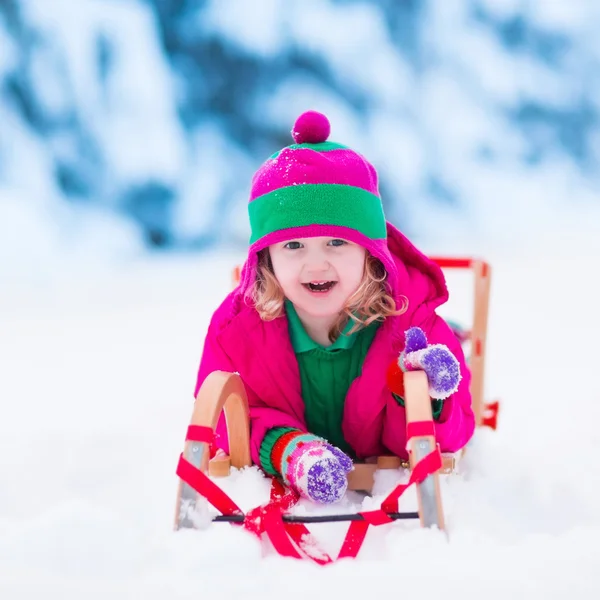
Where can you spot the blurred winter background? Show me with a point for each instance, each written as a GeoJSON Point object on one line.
{"type": "Point", "coordinates": [129, 130]}
{"type": "Point", "coordinates": [131, 126]}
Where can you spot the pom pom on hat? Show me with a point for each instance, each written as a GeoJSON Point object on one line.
{"type": "Point", "coordinates": [311, 127]}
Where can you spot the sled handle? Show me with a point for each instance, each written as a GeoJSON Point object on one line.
{"type": "Point", "coordinates": [482, 274]}
{"type": "Point", "coordinates": [221, 391]}
{"type": "Point", "coordinates": [418, 409]}
{"type": "Point", "coordinates": [225, 391]}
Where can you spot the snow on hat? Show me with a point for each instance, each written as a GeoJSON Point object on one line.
{"type": "Point", "coordinates": [313, 186]}
{"type": "Point", "coordinates": [316, 188]}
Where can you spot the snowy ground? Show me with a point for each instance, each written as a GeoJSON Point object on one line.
{"type": "Point", "coordinates": [96, 377]}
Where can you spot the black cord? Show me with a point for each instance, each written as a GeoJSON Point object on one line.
{"type": "Point", "coordinates": [318, 518]}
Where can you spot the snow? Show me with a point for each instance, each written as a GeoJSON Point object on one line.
{"type": "Point", "coordinates": [258, 28]}
{"type": "Point", "coordinates": [42, 241]}
{"type": "Point", "coordinates": [98, 368]}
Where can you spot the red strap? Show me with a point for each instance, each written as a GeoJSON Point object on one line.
{"type": "Point", "coordinates": [452, 263]}
{"type": "Point", "coordinates": [287, 538]}
{"type": "Point", "coordinates": [197, 480]}
{"type": "Point", "coordinates": [200, 433]}
{"type": "Point", "coordinates": [419, 429]}
{"type": "Point", "coordinates": [490, 414]}
{"type": "Point", "coordinates": [425, 467]}
{"type": "Point", "coordinates": [290, 539]}
{"type": "Point", "coordinates": [276, 531]}
{"type": "Point", "coordinates": [354, 539]}
{"type": "Point", "coordinates": [282, 496]}
{"type": "Point", "coordinates": [357, 531]}
{"type": "Point", "coordinates": [303, 538]}
{"type": "Point", "coordinates": [376, 517]}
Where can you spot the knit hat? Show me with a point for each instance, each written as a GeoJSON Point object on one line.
{"type": "Point", "coordinates": [316, 188]}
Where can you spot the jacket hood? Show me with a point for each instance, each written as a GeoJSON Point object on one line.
{"type": "Point", "coordinates": [412, 276]}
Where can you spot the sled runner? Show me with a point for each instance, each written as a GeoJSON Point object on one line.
{"type": "Point", "coordinates": [223, 391]}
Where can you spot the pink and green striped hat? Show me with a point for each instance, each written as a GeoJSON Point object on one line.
{"type": "Point", "coordinates": [316, 188]}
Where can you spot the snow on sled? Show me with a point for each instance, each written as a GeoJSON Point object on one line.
{"type": "Point", "coordinates": [223, 391]}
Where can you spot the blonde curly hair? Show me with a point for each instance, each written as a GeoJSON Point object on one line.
{"type": "Point", "coordinates": [371, 301]}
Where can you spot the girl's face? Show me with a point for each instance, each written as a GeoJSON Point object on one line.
{"type": "Point", "coordinates": [318, 274]}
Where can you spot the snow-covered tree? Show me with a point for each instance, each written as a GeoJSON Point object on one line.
{"type": "Point", "coordinates": [479, 114]}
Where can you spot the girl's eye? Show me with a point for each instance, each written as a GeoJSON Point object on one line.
{"type": "Point", "coordinates": [337, 242]}
{"type": "Point", "coordinates": [293, 245]}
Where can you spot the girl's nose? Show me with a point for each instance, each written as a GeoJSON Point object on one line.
{"type": "Point", "coordinates": [316, 261]}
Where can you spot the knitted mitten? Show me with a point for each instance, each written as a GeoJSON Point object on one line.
{"type": "Point", "coordinates": [315, 469]}
{"type": "Point", "coordinates": [440, 365]}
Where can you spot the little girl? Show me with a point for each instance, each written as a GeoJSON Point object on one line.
{"type": "Point", "coordinates": [330, 296]}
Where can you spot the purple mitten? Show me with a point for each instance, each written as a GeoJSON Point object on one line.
{"type": "Point", "coordinates": [415, 340]}
{"type": "Point", "coordinates": [316, 470]}
{"type": "Point", "coordinates": [440, 365]}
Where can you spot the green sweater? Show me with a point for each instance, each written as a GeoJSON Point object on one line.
{"type": "Point", "coordinates": [325, 375]}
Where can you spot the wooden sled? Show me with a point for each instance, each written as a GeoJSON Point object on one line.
{"type": "Point", "coordinates": [225, 391]}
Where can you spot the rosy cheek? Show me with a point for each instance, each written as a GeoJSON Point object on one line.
{"type": "Point", "coordinates": [287, 280]}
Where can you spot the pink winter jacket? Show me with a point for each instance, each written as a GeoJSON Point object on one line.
{"type": "Point", "coordinates": [373, 423]}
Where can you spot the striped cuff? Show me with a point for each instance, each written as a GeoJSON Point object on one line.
{"type": "Point", "coordinates": [281, 446]}
{"type": "Point", "coordinates": [266, 448]}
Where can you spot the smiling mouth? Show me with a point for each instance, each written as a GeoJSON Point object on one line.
{"type": "Point", "coordinates": [319, 286]}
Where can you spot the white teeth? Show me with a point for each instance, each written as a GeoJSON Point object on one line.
{"type": "Point", "coordinates": [322, 286]}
